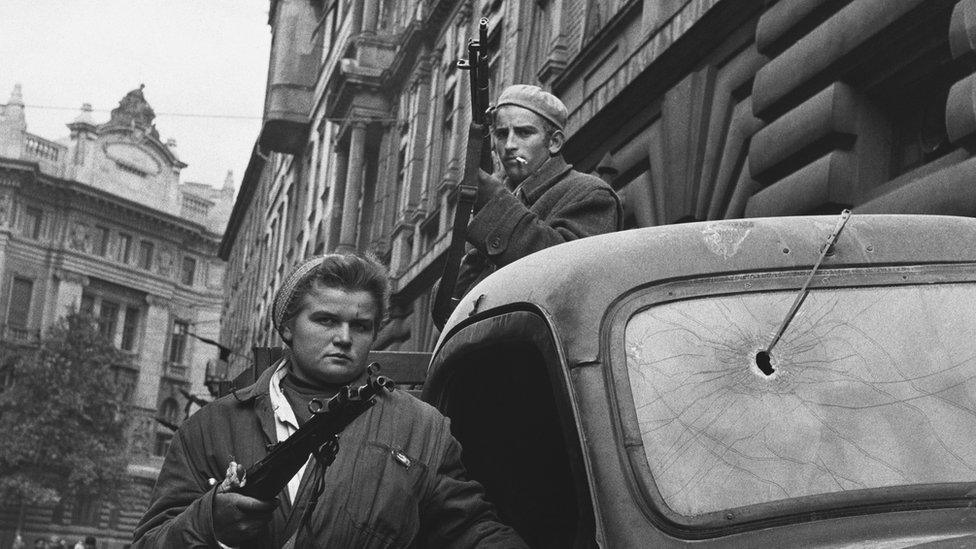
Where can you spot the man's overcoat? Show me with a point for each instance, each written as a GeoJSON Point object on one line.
{"type": "Point", "coordinates": [556, 204]}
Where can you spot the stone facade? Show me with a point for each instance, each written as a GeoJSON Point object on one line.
{"type": "Point", "coordinates": [691, 109]}
{"type": "Point", "coordinates": [99, 221]}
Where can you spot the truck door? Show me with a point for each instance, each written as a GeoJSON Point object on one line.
{"type": "Point", "coordinates": [501, 382]}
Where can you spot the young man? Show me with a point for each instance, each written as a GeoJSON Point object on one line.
{"type": "Point", "coordinates": [541, 201]}
{"type": "Point", "coordinates": [397, 479]}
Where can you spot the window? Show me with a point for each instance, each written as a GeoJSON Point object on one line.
{"type": "Point", "coordinates": [884, 392]}
{"type": "Point", "coordinates": [146, 255]}
{"type": "Point", "coordinates": [84, 512]}
{"type": "Point", "coordinates": [189, 271]}
{"type": "Point", "coordinates": [402, 168]}
{"type": "Point", "coordinates": [87, 304]}
{"type": "Point", "coordinates": [129, 327]}
{"type": "Point", "coordinates": [538, 40]}
{"type": "Point", "coordinates": [447, 126]}
{"type": "Point", "coordinates": [108, 317]}
{"type": "Point", "coordinates": [124, 251]}
{"type": "Point", "coordinates": [428, 233]}
{"type": "Point", "coordinates": [57, 515]}
{"type": "Point", "coordinates": [170, 410]}
{"type": "Point", "coordinates": [113, 518]}
{"type": "Point", "coordinates": [100, 242]}
{"type": "Point", "coordinates": [919, 133]}
{"type": "Point", "coordinates": [31, 223]}
{"type": "Point", "coordinates": [18, 311]}
{"type": "Point", "coordinates": [7, 373]}
{"type": "Point", "coordinates": [177, 341]}
{"type": "Point", "coordinates": [127, 381]}
{"type": "Point", "coordinates": [162, 444]}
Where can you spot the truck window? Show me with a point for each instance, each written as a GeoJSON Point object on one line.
{"type": "Point", "coordinates": [870, 387]}
{"type": "Point", "coordinates": [494, 383]}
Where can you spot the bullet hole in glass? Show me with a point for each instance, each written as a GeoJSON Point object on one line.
{"type": "Point", "coordinates": [762, 361]}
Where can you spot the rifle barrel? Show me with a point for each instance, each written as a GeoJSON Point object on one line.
{"type": "Point", "coordinates": [474, 68]}
{"type": "Point", "coordinates": [485, 161]}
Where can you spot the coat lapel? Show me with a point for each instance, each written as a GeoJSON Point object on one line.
{"type": "Point", "coordinates": [542, 180]}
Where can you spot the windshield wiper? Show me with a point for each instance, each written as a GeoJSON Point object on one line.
{"type": "Point", "coordinates": [763, 356]}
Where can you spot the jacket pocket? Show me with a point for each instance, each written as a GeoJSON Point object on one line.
{"type": "Point", "coordinates": [384, 495]}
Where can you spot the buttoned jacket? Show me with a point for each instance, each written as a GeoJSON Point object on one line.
{"type": "Point", "coordinates": [397, 480]}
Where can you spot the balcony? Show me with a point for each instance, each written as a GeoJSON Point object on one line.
{"type": "Point", "coordinates": [38, 148]}
{"type": "Point", "coordinates": [47, 154]}
{"type": "Point", "coordinates": [20, 335]}
{"type": "Point", "coordinates": [292, 73]}
{"type": "Point", "coordinates": [176, 371]}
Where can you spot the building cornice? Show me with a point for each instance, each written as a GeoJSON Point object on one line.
{"type": "Point", "coordinates": [67, 191]}
{"type": "Point", "coordinates": [249, 183]}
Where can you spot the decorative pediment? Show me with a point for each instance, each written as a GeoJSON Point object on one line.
{"type": "Point", "coordinates": [132, 157]}
{"type": "Point", "coordinates": [132, 124]}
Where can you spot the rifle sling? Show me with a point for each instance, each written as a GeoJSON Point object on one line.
{"type": "Point", "coordinates": [445, 301]}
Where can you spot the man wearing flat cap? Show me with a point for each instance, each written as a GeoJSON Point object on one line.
{"type": "Point", "coordinates": [397, 479]}
{"type": "Point", "coordinates": [541, 200]}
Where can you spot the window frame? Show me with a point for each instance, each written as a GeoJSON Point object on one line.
{"type": "Point", "coordinates": [188, 276]}
{"type": "Point", "coordinates": [35, 216]}
{"type": "Point", "coordinates": [108, 325]}
{"type": "Point", "coordinates": [130, 329]}
{"type": "Point", "coordinates": [10, 302]}
{"type": "Point", "coordinates": [178, 342]}
{"type": "Point", "coordinates": [791, 510]}
{"type": "Point", "coordinates": [100, 245]}
{"type": "Point", "coordinates": [147, 249]}
{"type": "Point", "coordinates": [123, 252]}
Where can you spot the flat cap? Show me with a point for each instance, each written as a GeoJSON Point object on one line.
{"type": "Point", "coordinates": [537, 100]}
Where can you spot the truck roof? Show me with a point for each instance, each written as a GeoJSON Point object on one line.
{"type": "Point", "coordinates": [572, 284]}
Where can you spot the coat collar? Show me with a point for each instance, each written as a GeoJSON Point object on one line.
{"type": "Point", "coordinates": [544, 178]}
{"type": "Point", "coordinates": [257, 395]}
{"type": "Point", "coordinates": [260, 387]}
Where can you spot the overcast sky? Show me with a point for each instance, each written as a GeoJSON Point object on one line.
{"type": "Point", "coordinates": [203, 57]}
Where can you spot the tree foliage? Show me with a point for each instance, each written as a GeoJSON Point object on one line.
{"type": "Point", "coordinates": [64, 417]}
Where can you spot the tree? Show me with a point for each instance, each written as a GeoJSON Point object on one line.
{"type": "Point", "coordinates": [64, 418]}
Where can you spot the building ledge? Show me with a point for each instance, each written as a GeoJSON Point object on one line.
{"type": "Point", "coordinates": [361, 71]}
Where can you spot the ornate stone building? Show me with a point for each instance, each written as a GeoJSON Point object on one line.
{"type": "Point", "coordinates": [99, 221]}
{"type": "Point", "coordinates": [692, 109]}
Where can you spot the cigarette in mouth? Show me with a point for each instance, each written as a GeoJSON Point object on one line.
{"type": "Point", "coordinates": [521, 160]}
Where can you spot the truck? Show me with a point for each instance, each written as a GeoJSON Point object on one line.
{"type": "Point", "coordinates": [776, 382]}
{"type": "Point", "coordinates": [738, 383]}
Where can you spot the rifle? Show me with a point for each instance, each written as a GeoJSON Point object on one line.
{"type": "Point", "coordinates": [477, 156]}
{"type": "Point", "coordinates": [268, 477]}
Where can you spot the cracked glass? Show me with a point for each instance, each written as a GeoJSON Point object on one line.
{"type": "Point", "coordinates": [871, 387]}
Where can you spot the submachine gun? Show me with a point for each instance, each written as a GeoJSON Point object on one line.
{"type": "Point", "coordinates": [477, 156]}
{"type": "Point", "coordinates": [267, 478]}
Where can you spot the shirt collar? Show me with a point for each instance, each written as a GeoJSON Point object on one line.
{"type": "Point", "coordinates": [279, 404]}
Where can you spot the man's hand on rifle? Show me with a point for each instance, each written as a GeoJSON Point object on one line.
{"type": "Point", "coordinates": [489, 186]}
{"type": "Point", "coordinates": [236, 517]}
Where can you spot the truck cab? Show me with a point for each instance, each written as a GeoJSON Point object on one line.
{"type": "Point", "coordinates": [614, 391]}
